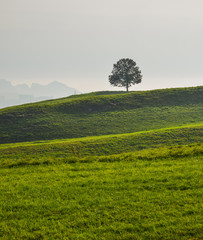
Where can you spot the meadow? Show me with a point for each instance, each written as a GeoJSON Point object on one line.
{"type": "Point", "coordinates": [105, 165]}
{"type": "Point", "coordinates": [38, 152]}
{"type": "Point", "coordinates": [150, 194]}
{"type": "Point", "coordinates": [101, 114]}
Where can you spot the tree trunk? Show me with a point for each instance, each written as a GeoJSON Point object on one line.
{"type": "Point", "coordinates": [127, 87]}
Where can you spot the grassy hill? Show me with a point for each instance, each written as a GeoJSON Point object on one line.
{"type": "Point", "coordinates": [69, 150]}
{"type": "Point", "coordinates": [104, 165]}
{"type": "Point", "coordinates": [101, 113]}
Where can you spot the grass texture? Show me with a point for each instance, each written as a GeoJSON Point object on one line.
{"type": "Point", "coordinates": [150, 194]}
{"type": "Point", "coordinates": [58, 150]}
{"type": "Point", "coordinates": [102, 113]}
{"type": "Point", "coordinates": [104, 165]}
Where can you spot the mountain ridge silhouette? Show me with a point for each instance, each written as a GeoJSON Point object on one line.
{"type": "Point", "coordinates": [11, 95]}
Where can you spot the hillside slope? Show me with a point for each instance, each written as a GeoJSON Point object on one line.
{"type": "Point", "coordinates": [70, 150]}
{"type": "Point", "coordinates": [101, 113]}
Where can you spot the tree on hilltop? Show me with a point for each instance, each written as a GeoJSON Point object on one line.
{"type": "Point", "coordinates": [125, 73]}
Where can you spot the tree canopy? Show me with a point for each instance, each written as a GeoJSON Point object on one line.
{"type": "Point", "coordinates": [125, 73]}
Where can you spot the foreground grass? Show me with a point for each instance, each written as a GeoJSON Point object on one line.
{"type": "Point", "coordinates": [150, 194]}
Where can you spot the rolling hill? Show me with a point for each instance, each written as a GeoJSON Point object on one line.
{"type": "Point", "coordinates": [69, 150]}
{"type": "Point", "coordinates": [104, 165]}
{"type": "Point", "coordinates": [101, 113]}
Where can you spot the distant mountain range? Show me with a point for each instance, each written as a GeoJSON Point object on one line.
{"type": "Point", "coordinates": [11, 95]}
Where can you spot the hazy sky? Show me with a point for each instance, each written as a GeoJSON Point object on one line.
{"type": "Point", "coordinates": [77, 42]}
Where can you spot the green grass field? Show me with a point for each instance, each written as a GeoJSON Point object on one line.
{"type": "Point", "coordinates": [103, 166]}
{"type": "Point", "coordinates": [93, 115]}
{"type": "Point", "coordinates": [156, 194]}
{"type": "Point", "coordinates": [50, 151]}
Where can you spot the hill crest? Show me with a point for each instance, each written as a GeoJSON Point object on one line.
{"type": "Point", "coordinates": [101, 113]}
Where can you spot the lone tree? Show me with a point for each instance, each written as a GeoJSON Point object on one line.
{"type": "Point", "coordinates": [125, 73]}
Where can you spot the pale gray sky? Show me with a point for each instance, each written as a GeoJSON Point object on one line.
{"type": "Point", "coordinates": [77, 42]}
